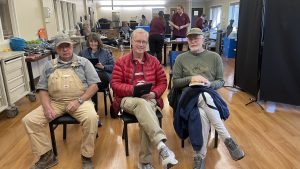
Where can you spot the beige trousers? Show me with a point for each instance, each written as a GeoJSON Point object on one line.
{"type": "Point", "coordinates": [63, 86]}
{"type": "Point", "coordinates": [150, 131]}
{"type": "Point", "coordinates": [36, 125]}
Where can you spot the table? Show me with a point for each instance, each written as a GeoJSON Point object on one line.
{"type": "Point", "coordinates": [170, 43]}
{"type": "Point", "coordinates": [34, 58]}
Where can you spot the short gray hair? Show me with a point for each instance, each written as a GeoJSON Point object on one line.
{"type": "Point", "coordinates": [139, 30]}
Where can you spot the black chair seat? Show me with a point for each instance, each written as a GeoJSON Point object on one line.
{"type": "Point", "coordinates": [64, 120]}
{"type": "Point", "coordinates": [129, 118]}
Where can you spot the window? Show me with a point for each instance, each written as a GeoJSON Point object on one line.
{"type": "Point", "coordinates": [234, 14]}
{"type": "Point", "coordinates": [65, 15]}
{"type": "Point", "coordinates": [215, 16]}
{"type": "Point", "coordinates": [6, 30]}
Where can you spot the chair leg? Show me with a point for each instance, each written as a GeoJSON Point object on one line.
{"type": "Point", "coordinates": [160, 122]}
{"type": "Point", "coordinates": [182, 143]}
{"type": "Point", "coordinates": [123, 133]}
{"type": "Point", "coordinates": [109, 95]}
{"type": "Point", "coordinates": [216, 139]}
{"type": "Point", "coordinates": [53, 139]}
{"type": "Point", "coordinates": [170, 82]}
{"type": "Point", "coordinates": [126, 139]}
{"type": "Point", "coordinates": [105, 102]}
{"type": "Point", "coordinates": [64, 131]}
{"type": "Point", "coordinates": [95, 100]}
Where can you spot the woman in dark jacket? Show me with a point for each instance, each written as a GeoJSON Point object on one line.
{"type": "Point", "coordinates": [106, 62]}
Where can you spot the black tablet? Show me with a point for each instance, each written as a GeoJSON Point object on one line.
{"type": "Point", "coordinates": [94, 61]}
{"type": "Point", "coordinates": [142, 89]}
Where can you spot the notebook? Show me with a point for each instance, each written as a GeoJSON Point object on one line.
{"type": "Point", "coordinates": [94, 61]}
{"type": "Point", "coordinates": [142, 89]}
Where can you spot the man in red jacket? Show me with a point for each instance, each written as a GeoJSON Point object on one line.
{"type": "Point", "coordinates": [136, 68]}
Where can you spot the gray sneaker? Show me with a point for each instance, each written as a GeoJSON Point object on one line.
{"type": "Point", "coordinates": [235, 151]}
{"type": "Point", "coordinates": [167, 157]}
{"type": "Point", "coordinates": [145, 166]}
{"type": "Point", "coordinates": [198, 162]}
{"type": "Point", "coordinates": [46, 161]}
{"type": "Point", "coordinates": [87, 163]}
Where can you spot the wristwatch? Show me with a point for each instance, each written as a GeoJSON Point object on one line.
{"type": "Point", "coordinates": [80, 100]}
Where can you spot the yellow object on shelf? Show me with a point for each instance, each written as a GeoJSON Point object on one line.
{"type": "Point", "coordinates": [6, 50]}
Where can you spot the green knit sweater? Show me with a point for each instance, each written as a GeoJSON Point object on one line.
{"type": "Point", "coordinates": [207, 64]}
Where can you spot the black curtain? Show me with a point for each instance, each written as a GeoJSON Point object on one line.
{"type": "Point", "coordinates": [280, 72]}
{"type": "Point", "coordinates": [247, 63]}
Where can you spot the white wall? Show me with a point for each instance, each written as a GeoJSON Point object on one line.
{"type": "Point", "coordinates": [225, 9]}
{"type": "Point", "coordinates": [29, 18]}
{"type": "Point", "coordinates": [50, 23]}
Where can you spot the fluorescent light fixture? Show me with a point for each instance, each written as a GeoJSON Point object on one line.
{"type": "Point", "coordinates": [150, 7]}
{"type": "Point", "coordinates": [130, 8]}
{"type": "Point", "coordinates": [133, 3]}
{"type": "Point", "coordinates": [109, 8]}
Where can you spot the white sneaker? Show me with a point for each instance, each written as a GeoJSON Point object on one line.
{"type": "Point", "coordinates": [167, 157]}
{"type": "Point", "coordinates": [145, 166]}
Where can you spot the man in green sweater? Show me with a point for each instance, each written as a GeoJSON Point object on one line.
{"type": "Point", "coordinates": [202, 67]}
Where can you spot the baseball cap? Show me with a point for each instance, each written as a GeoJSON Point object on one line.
{"type": "Point", "coordinates": [62, 39]}
{"type": "Point", "coordinates": [194, 31]}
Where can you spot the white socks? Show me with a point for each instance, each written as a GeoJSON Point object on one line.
{"type": "Point", "coordinates": [160, 145]}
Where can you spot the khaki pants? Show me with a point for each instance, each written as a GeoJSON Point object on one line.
{"type": "Point", "coordinates": [36, 125]}
{"type": "Point", "coordinates": [150, 131]}
{"type": "Point", "coordinates": [210, 117]}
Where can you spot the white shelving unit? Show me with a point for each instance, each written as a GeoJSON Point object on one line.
{"type": "Point", "coordinates": [15, 78]}
{"type": "Point", "coordinates": [3, 99]}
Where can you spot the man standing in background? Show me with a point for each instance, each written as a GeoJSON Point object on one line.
{"type": "Point", "coordinates": [180, 21]}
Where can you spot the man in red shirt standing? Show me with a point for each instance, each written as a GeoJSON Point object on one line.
{"type": "Point", "coordinates": [180, 21]}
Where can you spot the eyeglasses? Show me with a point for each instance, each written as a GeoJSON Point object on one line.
{"type": "Point", "coordinates": [194, 38]}
{"type": "Point", "coordinates": [141, 42]}
{"type": "Point", "coordinates": [64, 46]}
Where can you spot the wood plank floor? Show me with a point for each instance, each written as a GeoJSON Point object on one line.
{"type": "Point", "coordinates": [270, 140]}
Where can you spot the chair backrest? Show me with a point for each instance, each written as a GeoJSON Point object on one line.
{"type": "Point", "coordinates": [173, 55]}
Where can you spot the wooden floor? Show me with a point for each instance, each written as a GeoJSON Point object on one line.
{"type": "Point", "coordinates": [270, 140]}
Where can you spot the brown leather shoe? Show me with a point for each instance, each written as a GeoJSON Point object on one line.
{"type": "Point", "coordinates": [46, 161]}
{"type": "Point", "coordinates": [87, 163]}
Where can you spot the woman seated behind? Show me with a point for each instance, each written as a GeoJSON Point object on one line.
{"type": "Point", "coordinates": [106, 62]}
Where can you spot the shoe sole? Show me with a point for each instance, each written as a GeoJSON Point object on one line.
{"type": "Point", "coordinates": [170, 164]}
{"type": "Point", "coordinates": [240, 157]}
{"type": "Point", "coordinates": [53, 164]}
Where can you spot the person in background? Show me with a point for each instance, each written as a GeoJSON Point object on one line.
{"type": "Point", "coordinates": [144, 21]}
{"type": "Point", "coordinates": [106, 61]}
{"type": "Point", "coordinates": [205, 68]}
{"type": "Point", "coordinates": [125, 30]}
{"type": "Point", "coordinates": [229, 27]}
{"type": "Point", "coordinates": [199, 22]}
{"type": "Point", "coordinates": [156, 35]}
{"type": "Point", "coordinates": [205, 26]}
{"type": "Point", "coordinates": [135, 68]}
{"type": "Point", "coordinates": [65, 86]}
{"type": "Point", "coordinates": [86, 27]}
{"type": "Point", "coordinates": [180, 21]}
